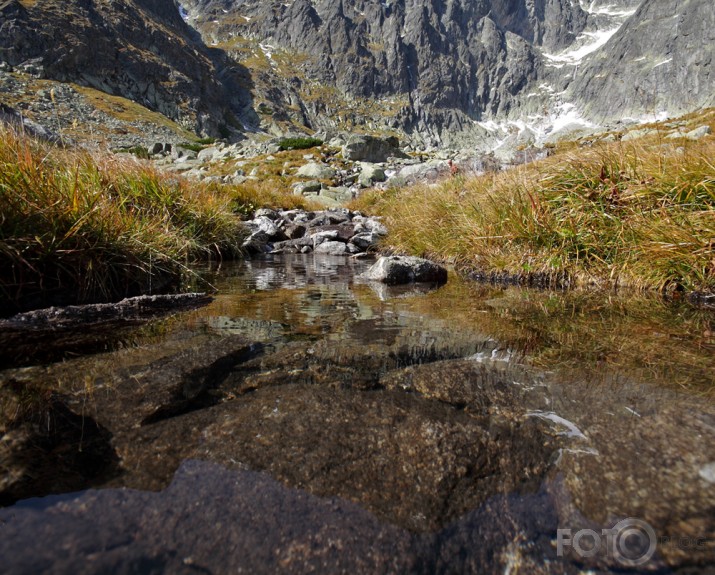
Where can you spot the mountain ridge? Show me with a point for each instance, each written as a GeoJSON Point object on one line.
{"type": "Point", "coordinates": [485, 75]}
{"type": "Point", "coordinates": [139, 49]}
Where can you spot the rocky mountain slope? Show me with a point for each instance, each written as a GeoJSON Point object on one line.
{"type": "Point", "coordinates": [455, 71]}
{"type": "Point", "coordinates": [138, 49]}
{"type": "Point", "coordinates": [660, 62]}
{"type": "Point", "coordinates": [484, 74]}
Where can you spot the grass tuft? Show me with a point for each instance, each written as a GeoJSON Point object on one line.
{"type": "Point", "coordinates": [75, 227]}
{"type": "Point", "coordinates": [299, 143]}
{"type": "Point", "coordinates": [640, 214]}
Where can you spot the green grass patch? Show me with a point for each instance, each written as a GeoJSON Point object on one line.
{"type": "Point", "coordinates": [138, 151]}
{"type": "Point", "coordinates": [299, 143]}
{"type": "Point", "coordinates": [193, 146]}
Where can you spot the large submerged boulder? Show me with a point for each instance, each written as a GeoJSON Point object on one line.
{"type": "Point", "coordinates": [395, 270]}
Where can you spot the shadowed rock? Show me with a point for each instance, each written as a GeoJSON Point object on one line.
{"type": "Point", "coordinates": [395, 270]}
{"type": "Point", "coordinates": [48, 334]}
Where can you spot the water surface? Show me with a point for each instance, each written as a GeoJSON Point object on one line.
{"type": "Point", "coordinates": [307, 421]}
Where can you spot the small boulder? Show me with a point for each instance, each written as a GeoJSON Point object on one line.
{"type": "Point", "coordinates": [369, 174]}
{"type": "Point", "coordinates": [155, 149]}
{"type": "Point", "coordinates": [340, 232]}
{"type": "Point", "coordinates": [331, 248]}
{"type": "Point", "coordinates": [295, 231]}
{"type": "Point", "coordinates": [339, 194]}
{"type": "Point", "coordinates": [396, 270]}
{"type": "Point", "coordinates": [296, 243]}
{"type": "Point", "coordinates": [257, 243]}
{"type": "Point", "coordinates": [317, 171]}
{"type": "Point", "coordinates": [272, 215]}
{"type": "Point", "coordinates": [324, 236]}
{"type": "Point", "coordinates": [375, 226]}
{"type": "Point", "coordinates": [312, 186]}
{"type": "Point", "coordinates": [635, 134]}
{"type": "Point", "coordinates": [207, 154]}
{"type": "Point", "coordinates": [361, 148]}
{"type": "Point", "coordinates": [430, 170]}
{"type": "Point", "coordinates": [338, 216]}
{"type": "Point", "coordinates": [698, 133]}
{"type": "Point", "coordinates": [365, 241]}
{"type": "Point", "coordinates": [267, 226]}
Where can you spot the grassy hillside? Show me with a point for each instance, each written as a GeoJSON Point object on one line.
{"type": "Point", "coordinates": [638, 213]}
{"type": "Point", "coordinates": [75, 227]}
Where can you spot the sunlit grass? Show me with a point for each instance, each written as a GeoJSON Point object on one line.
{"type": "Point", "coordinates": [639, 214]}
{"type": "Point", "coordinates": [100, 227]}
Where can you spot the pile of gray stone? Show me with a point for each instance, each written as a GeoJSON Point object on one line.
{"type": "Point", "coordinates": [333, 232]}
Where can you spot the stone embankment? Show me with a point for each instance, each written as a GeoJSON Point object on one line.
{"type": "Point", "coordinates": [333, 232]}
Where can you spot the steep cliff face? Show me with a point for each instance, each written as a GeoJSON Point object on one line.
{"type": "Point", "coordinates": [140, 49]}
{"type": "Point", "coordinates": [443, 72]}
{"type": "Point", "coordinates": [659, 62]}
{"type": "Point", "coordinates": [464, 66]}
{"type": "Point", "coordinates": [454, 62]}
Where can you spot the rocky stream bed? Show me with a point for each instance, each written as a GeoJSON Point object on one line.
{"type": "Point", "coordinates": [308, 420]}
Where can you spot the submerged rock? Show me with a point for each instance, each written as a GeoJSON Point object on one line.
{"type": "Point", "coordinates": [394, 270]}
{"type": "Point", "coordinates": [128, 309]}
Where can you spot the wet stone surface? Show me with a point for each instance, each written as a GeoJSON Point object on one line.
{"type": "Point", "coordinates": [302, 422]}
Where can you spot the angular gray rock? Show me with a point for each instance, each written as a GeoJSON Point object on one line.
{"type": "Point", "coordinates": [698, 133]}
{"type": "Point", "coordinates": [395, 270]}
{"type": "Point", "coordinates": [366, 240]}
{"type": "Point", "coordinates": [312, 186]}
{"type": "Point", "coordinates": [317, 171]}
{"type": "Point", "coordinates": [332, 248]}
{"type": "Point", "coordinates": [370, 149]}
{"type": "Point", "coordinates": [369, 174]}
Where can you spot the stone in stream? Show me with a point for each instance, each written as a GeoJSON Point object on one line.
{"type": "Point", "coordinates": [375, 226]}
{"type": "Point", "coordinates": [394, 270]}
{"type": "Point", "coordinates": [365, 241]}
{"type": "Point", "coordinates": [332, 248]}
{"type": "Point", "coordinates": [48, 334]}
{"type": "Point", "coordinates": [323, 236]}
{"type": "Point", "coordinates": [291, 231]}
{"type": "Point", "coordinates": [129, 309]}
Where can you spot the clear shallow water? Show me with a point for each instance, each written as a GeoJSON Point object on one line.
{"type": "Point", "coordinates": [304, 420]}
{"type": "Point", "coordinates": [629, 335]}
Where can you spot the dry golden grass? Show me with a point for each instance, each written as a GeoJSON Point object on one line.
{"type": "Point", "coordinates": [95, 227]}
{"type": "Point", "coordinates": [640, 213]}
{"type": "Point", "coordinates": [128, 111]}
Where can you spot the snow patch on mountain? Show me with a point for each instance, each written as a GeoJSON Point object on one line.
{"type": "Point", "coordinates": [592, 42]}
